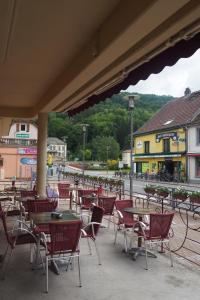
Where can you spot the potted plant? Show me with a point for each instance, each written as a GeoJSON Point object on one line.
{"type": "Point", "coordinates": [194, 197]}
{"type": "Point", "coordinates": [180, 194]}
{"type": "Point", "coordinates": [162, 191]}
{"type": "Point", "coordinates": [150, 189]}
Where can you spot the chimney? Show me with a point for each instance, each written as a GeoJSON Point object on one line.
{"type": "Point", "coordinates": [187, 91]}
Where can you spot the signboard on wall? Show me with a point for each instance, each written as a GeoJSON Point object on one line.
{"type": "Point", "coordinates": [27, 151]}
{"type": "Point", "coordinates": [172, 135]}
{"type": "Point", "coordinates": [28, 161]}
{"type": "Point", "coordinates": [139, 145]}
{"type": "Point", "coordinates": [22, 135]}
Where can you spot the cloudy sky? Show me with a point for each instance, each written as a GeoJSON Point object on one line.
{"type": "Point", "coordinates": [172, 80]}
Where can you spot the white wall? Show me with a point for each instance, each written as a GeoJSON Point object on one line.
{"type": "Point", "coordinates": [193, 147]}
{"type": "Point", "coordinates": [33, 132]}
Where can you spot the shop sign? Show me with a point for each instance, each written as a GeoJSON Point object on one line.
{"type": "Point", "coordinates": [27, 151]}
{"type": "Point", "coordinates": [28, 161]}
{"type": "Point", "coordinates": [171, 135]}
{"type": "Point", "coordinates": [139, 145]}
{"type": "Point", "coordinates": [22, 135]}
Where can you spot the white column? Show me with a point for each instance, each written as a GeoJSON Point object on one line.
{"type": "Point", "coordinates": [42, 154]}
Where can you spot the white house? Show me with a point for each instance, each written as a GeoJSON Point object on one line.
{"type": "Point", "coordinates": [57, 148]}
{"type": "Point", "coordinates": [21, 132]}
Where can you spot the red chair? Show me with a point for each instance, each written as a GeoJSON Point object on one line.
{"type": "Point", "coordinates": [64, 240]}
{"type": "Point", "coordinates": [125, 220]}
{"type": "Point", "coordinates": [18, 236]}
{"type": "Point", "coordinates": [90, 231]}
{"type": "Point", "coordinates": [107, 203]}
{"type": "Point", "coordinates": [64, 191]}
{"type": "Point", "coordinates": [39, 206]}
{"type": "Point", "coordinates": [27, 194]}
{"type": "Point", "coordinates": [79, 194]}
{"type": "Point", "coordinates": [157, 232]}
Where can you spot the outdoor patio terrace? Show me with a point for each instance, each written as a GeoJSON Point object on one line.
{"type": "Point", "coordinates": [119, 277]}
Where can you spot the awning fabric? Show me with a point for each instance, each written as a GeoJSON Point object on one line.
{"type": "Point", "coordinates": [183, 49]}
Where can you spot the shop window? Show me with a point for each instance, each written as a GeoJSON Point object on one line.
{"type": "Point", "coordinates": [166, 145]}
{"type": "Point", "coordinates": [198, 136]}
{"type": "Point", "coordinates": [198, 167]}
{"type": "Point", "coordinates": [146, 147]}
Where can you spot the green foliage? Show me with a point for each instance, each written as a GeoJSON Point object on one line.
{"type": "Point", "coordinates": [112, 164]}
{"type": "Point", "coordinates": [110, 118]}
{"type": "Point", "coordinates": [104, 148]}
{"type": "Point", "coordinates": [180, 192]}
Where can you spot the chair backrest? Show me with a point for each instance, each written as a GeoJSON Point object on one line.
{"type": "Point", "coordinates": [85, 201]}
{"type": "Point", "coordinates": [160, 225]}
{"type": "Point", "coordinates": [82, 192]}
{"type": "Point", "coordinates": [97, 216]}
{"type": "Point", "coordinates": [63, 190]}
{"type": "Point", "coordinates": [28, 193]}
{"type": "Point", "coordinates": [3, 218]}
{"type": "Point", "coordinates": [107, 203]}
{"type": "Point", "coordinates": [65, 236]}
{"type": "Point", "coordinates": [36, 206]}
{"type": "Point", "coordinates": [121, 205]}
{"type": "Point", "coordinates": [63, 185]}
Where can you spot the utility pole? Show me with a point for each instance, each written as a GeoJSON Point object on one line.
{"type": "Point", "coordinates": [107, 151]}
{"type": "Point", "coordinates": [84, 127]}
{"type": "Point", "coordinates": [131, 104]}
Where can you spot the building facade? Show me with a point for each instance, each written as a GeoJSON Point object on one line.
{"type": "Point", "coordinates": [18, 151]}
{"type": "Point", "coordinates": [161, 152]}
{"type": "Point", "coordinates": [169, 143]}
{"type": "Point", "coordinates": [194, 153]}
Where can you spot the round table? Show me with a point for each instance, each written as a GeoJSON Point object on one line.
{"type": "Point", "coordinates": [141, 212]}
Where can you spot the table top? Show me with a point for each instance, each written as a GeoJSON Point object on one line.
{"type": "Point", "coordinates": [139, 210]}
{"type": "Point", "coordinates": [46, 218]}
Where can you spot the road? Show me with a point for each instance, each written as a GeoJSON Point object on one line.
{"type": "Point", "coordinates": [138, 185]}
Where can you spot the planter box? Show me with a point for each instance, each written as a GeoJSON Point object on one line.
{"type": "Point", "coordinates": [180, 197]}
{"type": "Point", "coordinates": [150, 191]}
{"type": "Point", "coordinates": [163, 194]}
{"type": "Point", "coordinates": [195, 199]}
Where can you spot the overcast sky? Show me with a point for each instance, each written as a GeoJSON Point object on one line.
{"type": "Point", "coordinates": [172, 80]}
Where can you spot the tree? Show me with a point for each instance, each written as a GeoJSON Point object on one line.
{"type": "Point", "coordinates": [104, 148]}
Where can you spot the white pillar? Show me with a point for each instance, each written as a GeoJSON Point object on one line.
{"type": "Point", "coordinates": [42, 154]}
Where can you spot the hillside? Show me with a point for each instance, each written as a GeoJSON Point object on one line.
{"type": "Point", "coordinates": [107, 119]}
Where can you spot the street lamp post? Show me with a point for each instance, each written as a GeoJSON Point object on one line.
{"type": "Point", "coordinates": [131, 104]}
{"type": "Point", "coordinates": [84, 127]}
{"type": "Point", "coordinates": [107, 151]}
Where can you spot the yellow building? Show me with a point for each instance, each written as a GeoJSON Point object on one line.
{"type": "Point", "coordinates": [161, 144]}
{"type": "Point", "coordinates": [161, 151]}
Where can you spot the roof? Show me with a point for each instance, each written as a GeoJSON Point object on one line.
{"type": "Point", "coordinates": [117, 46]}
{"type": "Point", "coordinates": [178, 112]}
{"type": "Point", "coordinates": [54, 141]}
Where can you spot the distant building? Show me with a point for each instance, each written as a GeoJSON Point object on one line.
{"type": "Point", "coordinates": [58, 149]}
{"type": "Point", "coordinates": [18, 151]}
{"type": "Point", "coordinates": [165, 144]}
{"type": "Point", "coordinates": [126, 159]}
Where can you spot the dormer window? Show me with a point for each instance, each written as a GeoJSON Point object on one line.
{"type": "Point", "coordinates": [22, 127]}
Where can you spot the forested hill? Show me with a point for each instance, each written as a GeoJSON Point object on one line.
{"type": "Point", "coordinates": [109, 125]}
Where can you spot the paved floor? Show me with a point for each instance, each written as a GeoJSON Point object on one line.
{"type": "Point", "coordinates": [117, 278]}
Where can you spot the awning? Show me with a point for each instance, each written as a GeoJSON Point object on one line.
{"type": "Point", "coordinates": [193, 154]}
{"type": "Point", "coordinates": [183, 49]}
